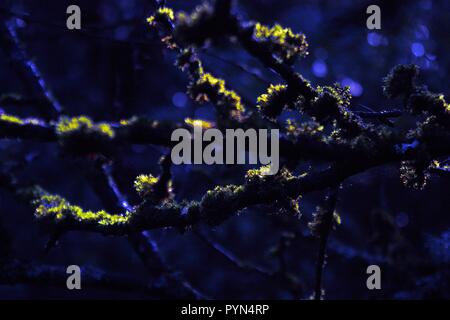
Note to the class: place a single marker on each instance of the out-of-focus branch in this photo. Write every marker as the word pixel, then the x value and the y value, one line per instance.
pixel 321 226
pixel 385 114
pixel 27 69
pixel 227 254
pixel 16 272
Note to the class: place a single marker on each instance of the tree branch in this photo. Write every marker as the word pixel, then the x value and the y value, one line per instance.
pixel 16 272
pixel 322 225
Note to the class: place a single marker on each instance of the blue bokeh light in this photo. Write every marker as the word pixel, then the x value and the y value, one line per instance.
pixel 319 68
pixel 402 219
pixel 179 99
pixel 374 39
pixel 417 49
pixel 356 88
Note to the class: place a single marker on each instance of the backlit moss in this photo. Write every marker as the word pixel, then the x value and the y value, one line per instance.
pixel 208 87
pixel 197 27
pixel 258 173
pixel 162 14
pixel 263 173
pixel 106 129
pixel 144 184
pixel 11 119
pixel 437 165
pixel 286 44
pixel 274 100
pixel 199 123
pixel 309 128
pixel 400 80
pixel 54 206
pixel 431 102
pixel 69 126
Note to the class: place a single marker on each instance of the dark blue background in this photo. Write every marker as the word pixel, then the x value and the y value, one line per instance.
pixel 116 68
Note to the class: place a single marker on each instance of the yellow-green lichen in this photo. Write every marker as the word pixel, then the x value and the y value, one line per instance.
pixel 444 103
pixel 264 173
pixel 310 128
pixel 258 173
pixel 161 14
pixel 285 42
pixel 272 91
pixel 144 184
pixel 208 80
pixel 337 218
pixel 272 102
pixel 199 123
pixel 106 129
pixel 67 126
pixel 11 119
pixel 54 206
pixel 437 165
pixel 209 87
pixel 341 95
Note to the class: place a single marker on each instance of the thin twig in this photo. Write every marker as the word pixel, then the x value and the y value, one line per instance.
pixel 145 245
pixel 326 223
pixel 29 70
pixel 244 265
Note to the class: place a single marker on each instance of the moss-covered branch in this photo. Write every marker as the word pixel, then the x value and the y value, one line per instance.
pixel 222 202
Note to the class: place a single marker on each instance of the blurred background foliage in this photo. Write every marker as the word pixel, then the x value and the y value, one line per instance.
pixel 116 67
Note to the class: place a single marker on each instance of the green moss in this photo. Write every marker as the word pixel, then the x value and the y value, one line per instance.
pixel 199 123
pixel 217 204
pixel 428 101
pixel 257 173
pixel 106 129
pixel 162 14
pixel 208 87
pixel 11 119
pixel 400 80
pixel 273 90
pixel 338 93
pixel 262 174
pixel 283 41
pixel 309 128
pixel 82 124
pixel 58 208
pixel 274 100
pixel 144 184
pixel 69 125
pixel 331 101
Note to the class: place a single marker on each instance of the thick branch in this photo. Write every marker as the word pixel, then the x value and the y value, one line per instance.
pixel 222 202
pixel 146 131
